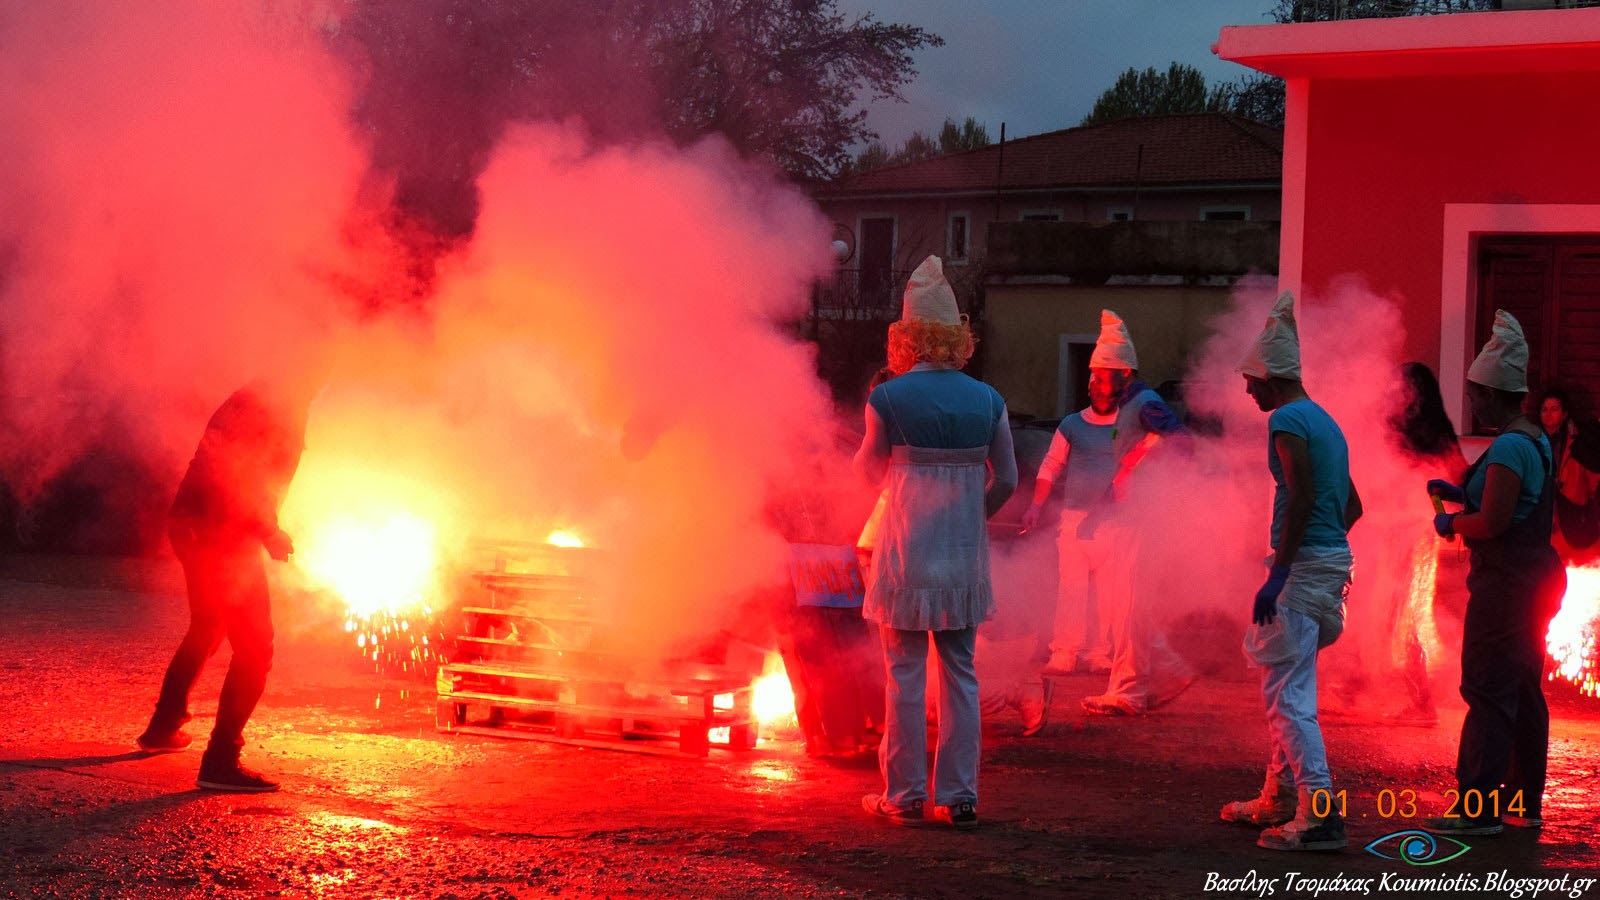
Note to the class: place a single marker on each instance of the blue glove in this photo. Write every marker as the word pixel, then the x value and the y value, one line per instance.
pixel 1266 608
pixel 1444 490
pixel 1445 524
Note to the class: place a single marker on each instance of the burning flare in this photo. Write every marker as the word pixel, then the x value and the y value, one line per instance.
pixel 1571 638
pixel 386 566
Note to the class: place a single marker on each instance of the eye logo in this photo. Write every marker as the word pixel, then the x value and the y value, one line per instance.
pixel 1418 848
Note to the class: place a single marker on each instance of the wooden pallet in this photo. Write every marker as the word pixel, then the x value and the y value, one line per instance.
pixel 572 707
pixel 529 664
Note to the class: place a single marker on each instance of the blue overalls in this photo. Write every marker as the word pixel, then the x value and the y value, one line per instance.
pixel 1514 587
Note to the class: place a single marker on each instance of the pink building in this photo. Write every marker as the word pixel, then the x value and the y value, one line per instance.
pixel 1448 162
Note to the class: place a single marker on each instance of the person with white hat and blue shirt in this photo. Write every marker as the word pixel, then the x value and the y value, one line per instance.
pixel 1081 448
pixel 933 436
pixel 1514 587
pixel 1299 610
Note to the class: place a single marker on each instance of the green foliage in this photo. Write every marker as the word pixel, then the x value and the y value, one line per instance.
pixel 1180 89
pixel 969 135
pixel 953 138
pixel 783 79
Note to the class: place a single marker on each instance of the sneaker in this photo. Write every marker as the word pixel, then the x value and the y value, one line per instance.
pixel 1262 812
pixel 235 779
pixel 1096 665
pixel 1303 834
pixel 1061 664
pixel 910 818
pixel 164 741
pixel 1522 821
pixel 962 815
pixel 1036 709
pixel 1459 825
pixel 1111 705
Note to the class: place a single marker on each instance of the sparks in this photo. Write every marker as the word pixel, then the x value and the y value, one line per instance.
pixel 1571 638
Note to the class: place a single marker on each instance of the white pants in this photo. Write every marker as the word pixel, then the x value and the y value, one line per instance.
pixel 1141 661
pixel 1080 629
pixel 903 754
pixel 1286 651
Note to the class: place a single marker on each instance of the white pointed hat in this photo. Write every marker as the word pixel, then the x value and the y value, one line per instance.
pixel 1276 351
pixel 1114 348
pixel 929 297
pixel 1503 361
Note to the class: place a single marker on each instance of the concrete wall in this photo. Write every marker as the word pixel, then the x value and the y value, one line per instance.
pixel 1024 323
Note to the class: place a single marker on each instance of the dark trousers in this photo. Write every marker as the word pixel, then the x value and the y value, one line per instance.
pixel 1505 737
pixel 836 666
pixel 227 586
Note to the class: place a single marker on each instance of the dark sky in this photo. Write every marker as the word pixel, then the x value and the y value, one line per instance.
pixel 1038 65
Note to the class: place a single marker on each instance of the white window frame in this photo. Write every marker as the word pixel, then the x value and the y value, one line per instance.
pixel 1024 214
pixel 1206 211
pixel 949 235
pixel 1113 211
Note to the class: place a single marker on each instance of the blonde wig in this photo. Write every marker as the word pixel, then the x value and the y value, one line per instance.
pixel 918 340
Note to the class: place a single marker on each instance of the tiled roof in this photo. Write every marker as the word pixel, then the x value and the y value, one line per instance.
pixel 1188 149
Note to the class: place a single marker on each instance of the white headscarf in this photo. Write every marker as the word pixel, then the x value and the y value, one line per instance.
pixel 1114 348
pixel 1503 361
pixel 1276 351
pixel 929 297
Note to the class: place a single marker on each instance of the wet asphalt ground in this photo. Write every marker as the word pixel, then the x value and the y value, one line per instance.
pixel 377 804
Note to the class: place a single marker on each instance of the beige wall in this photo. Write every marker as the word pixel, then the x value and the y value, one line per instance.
pixel 1024 323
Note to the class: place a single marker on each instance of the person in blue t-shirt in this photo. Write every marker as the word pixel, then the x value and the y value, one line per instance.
pixel 1145 673
pixel 1300 609
pixel 1081 448
pixel 1514 587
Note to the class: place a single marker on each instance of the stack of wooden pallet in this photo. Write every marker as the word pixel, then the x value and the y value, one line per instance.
pixel 532 661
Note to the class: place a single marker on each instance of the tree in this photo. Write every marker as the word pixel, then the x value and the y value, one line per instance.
pixel 1257 96
pixel 969 135
pixel 1180 89
pixel 783 79
pixel 953 138
pixel 779 78
pixel 1329 10
pixel 441 80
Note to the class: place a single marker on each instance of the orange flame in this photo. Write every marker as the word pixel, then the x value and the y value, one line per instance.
pixel 1571 638
pixel 383 566
pixel 561 538
pixel 773 701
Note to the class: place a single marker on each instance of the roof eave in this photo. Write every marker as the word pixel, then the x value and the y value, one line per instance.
pixel 1460 43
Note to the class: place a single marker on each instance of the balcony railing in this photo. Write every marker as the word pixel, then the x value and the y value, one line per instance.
pixel 848 295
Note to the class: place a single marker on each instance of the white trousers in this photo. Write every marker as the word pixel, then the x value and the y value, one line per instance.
pixel 1286 651
pixel 1141 660
pixel 1080 628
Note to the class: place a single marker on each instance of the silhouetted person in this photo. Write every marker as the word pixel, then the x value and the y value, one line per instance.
pixel 225 515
